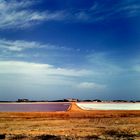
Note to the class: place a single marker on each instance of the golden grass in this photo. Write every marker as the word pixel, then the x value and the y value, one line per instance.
pixel 74 123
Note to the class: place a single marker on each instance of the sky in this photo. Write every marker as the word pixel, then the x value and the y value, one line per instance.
pixel 56 49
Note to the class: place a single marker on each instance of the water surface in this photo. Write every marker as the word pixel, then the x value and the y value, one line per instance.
pixel 33 107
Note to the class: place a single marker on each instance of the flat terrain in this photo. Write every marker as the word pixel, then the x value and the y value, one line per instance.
pixel 73 124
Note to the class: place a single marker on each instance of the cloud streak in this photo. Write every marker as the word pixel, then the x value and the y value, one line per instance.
pixel 18 45
pixel 15 14
pixel 22 45
pixel 100 11
pixel 34 51
pixel 36 68
pixel 100 63
pixel 90 85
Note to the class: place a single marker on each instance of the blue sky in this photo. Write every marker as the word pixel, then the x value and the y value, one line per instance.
pixel 55 49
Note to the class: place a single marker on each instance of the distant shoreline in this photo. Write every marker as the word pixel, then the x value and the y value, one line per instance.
pixel 44 102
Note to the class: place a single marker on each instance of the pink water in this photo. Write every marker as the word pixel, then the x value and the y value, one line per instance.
pixel 33 107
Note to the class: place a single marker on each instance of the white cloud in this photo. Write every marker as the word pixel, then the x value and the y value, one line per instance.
pixel 90 85
pixel 100 64
pixel 18 45
pixel 19 14
pixel 35 68
pixel 21 45
pixel 12 4
pixel 39 76
pixel 15 14
pixel 43 80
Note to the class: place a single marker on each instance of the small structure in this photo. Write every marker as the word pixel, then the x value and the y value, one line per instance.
pixel 23 100
pixel 97 100
pixel 70 100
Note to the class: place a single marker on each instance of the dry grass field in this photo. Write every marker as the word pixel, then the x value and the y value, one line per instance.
pixel 74 124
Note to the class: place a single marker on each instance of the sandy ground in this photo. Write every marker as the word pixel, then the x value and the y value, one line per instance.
pixel 73 124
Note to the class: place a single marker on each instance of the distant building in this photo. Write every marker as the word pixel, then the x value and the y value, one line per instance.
pixel 70 100
pixel 96 100
pixel 23 100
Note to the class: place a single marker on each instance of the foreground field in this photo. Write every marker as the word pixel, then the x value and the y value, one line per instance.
pixel 73 124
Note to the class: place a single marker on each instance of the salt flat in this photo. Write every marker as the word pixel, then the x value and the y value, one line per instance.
pixel 109 106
